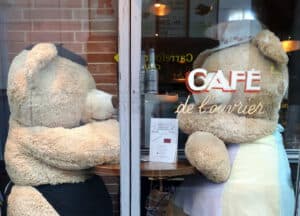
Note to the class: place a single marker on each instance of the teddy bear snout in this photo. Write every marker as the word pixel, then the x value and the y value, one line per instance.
pixel 115 101
pixel 99 106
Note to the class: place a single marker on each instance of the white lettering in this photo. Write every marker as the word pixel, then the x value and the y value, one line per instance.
pixel 218 80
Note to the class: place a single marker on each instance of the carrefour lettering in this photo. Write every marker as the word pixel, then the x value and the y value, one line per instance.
pixel 199 80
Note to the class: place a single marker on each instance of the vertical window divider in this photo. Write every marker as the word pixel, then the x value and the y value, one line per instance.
pixel 124 106
pixel 135 37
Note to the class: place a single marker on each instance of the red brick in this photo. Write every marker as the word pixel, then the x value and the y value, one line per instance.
pixel 22 3
pixel 46 3
pixel 106 11
pixel 107 47
pixel 105 78
pixel 14 14
pixel 82 36
pixel 85 4
pixel 19 26
pixel 47 14
pixel 110 179
pixel 111 37
pixel 94 58
pixel 72 3
pixel 75 47
pixel 105 4
pixel 113 188
pixel 11 57
pixel 110 68
pixel 81 13
pixel 93 4
pixel 50 36
pixel 110 88
pixel 99 25
pixel 58 3
pixel 16 47
pixel 56 26
pixel 15 36
pixel 83 55
pixel 115 197
pixel 87 36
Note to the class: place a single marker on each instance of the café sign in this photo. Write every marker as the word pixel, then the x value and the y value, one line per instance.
pixel 199 80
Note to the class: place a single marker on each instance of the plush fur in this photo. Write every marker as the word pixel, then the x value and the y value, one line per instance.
pixel 27 201
pixel 50 97
pixel 209 132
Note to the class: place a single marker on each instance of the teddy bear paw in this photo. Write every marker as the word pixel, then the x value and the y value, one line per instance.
pixel 209 155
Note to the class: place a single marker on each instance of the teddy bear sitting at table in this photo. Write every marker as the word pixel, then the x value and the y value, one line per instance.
pixel 234 140
pixel 60 126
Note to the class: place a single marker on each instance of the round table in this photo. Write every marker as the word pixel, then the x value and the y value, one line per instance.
pixel 154 170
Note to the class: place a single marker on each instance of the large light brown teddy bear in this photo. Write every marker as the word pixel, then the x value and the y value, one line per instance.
pixel 53 134
pixel 234 139
pixel 205 148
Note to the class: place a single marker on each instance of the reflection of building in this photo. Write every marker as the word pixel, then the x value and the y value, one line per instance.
pixel 175 58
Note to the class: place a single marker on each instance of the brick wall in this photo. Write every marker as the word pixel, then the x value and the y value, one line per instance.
pixel 87 27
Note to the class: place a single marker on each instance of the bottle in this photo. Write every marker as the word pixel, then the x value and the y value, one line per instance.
pixel 142 73
pixel 151 74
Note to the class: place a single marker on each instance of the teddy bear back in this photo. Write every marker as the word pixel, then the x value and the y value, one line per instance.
pixel 247 45
pixel 232 121
pixel 273 82
pixel 46 89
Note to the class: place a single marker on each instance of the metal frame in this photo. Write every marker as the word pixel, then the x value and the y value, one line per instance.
pixel 136 36
pixel 130 107
pixel 124 104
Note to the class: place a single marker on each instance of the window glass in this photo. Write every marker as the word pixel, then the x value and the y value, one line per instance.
pixel 59 104
pixel 224 73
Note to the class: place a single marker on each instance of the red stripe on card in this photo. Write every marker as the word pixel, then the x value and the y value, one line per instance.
pixel 167 140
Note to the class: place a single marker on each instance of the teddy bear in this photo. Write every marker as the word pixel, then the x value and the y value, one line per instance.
pixel 234 137
pixel 60 126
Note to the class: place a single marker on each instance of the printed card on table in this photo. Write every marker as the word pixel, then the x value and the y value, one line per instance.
pixel 163 140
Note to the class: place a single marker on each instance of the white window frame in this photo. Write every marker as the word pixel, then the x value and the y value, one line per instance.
pixel 129 65
pixel 124 104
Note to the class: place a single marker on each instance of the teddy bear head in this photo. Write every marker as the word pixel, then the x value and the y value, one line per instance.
pixel 263 54
pixel 255 81
pixel 50 86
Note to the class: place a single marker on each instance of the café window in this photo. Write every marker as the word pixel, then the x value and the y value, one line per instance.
pixel 228 101
pixel 59 83
pixel 178 32
pixel 208 98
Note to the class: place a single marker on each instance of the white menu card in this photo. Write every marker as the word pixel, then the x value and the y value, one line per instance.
pixel 163 140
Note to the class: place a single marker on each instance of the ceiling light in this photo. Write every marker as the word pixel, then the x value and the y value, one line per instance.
pixel 159 9
pixel 290 45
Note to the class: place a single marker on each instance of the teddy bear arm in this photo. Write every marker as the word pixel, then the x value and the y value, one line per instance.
pixel 209 155
pixel 27 201
pixel 72 149
pixel 229 127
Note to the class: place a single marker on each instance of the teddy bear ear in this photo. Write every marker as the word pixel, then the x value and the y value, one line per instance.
pixel 38 57
pixel 270 46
